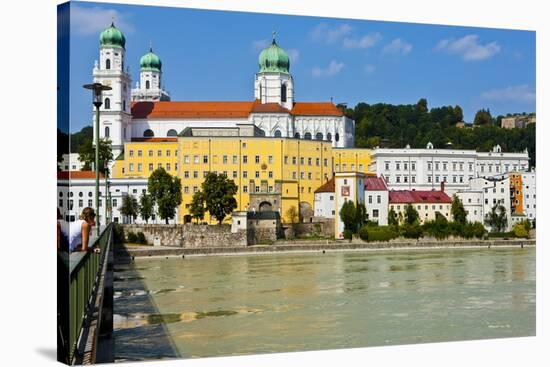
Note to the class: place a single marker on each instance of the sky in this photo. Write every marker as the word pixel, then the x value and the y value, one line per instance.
pixel 213 56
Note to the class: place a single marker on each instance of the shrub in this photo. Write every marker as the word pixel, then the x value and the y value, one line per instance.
pixel 348 234
pixel 364 233
pixel 412 231
pixel 520 231
pixel 479 230
pixel 141 238
pixel 132 237
pixel 510 234
pixel 118 234
pixel 382 233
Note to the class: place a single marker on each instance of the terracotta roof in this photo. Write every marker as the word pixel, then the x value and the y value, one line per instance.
pixel 75 175
pixel 154 140
pixel 422 196
pixel 373 183
pixel 173 109
pixel 326 187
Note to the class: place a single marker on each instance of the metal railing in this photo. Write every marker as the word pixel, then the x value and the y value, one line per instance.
pixel 79 278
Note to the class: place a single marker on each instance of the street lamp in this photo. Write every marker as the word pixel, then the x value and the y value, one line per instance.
pixel 97 90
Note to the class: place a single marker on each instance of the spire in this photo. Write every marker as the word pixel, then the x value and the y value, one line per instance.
pixel 150 46
pixel 273 35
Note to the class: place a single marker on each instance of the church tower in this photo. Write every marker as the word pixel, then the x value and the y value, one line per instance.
pixel 149 87
pixel 115 114
pixel 273 83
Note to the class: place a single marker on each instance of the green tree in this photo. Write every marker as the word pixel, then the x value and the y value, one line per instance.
pixel 218 193
pixel 496 218
pixel 392 218
pixel 457 210
pixel 361 216
pixel 86 154
pixel 129 207
pixel 197 208
pixel 292 214
pixel 411 215
pixel 348 216
pixel 483 118
pixel 146 206
pixel 422 105
pixel 166 193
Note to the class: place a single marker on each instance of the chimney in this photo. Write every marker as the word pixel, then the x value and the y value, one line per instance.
pixel 443 186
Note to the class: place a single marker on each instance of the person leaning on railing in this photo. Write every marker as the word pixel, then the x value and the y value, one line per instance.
pixel 77 233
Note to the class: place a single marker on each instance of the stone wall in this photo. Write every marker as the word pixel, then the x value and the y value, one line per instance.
pixel 189 235
pixel 323 228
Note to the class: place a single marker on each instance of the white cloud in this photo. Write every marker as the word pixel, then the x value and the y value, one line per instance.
pixel 324 32
pixel 332 69
pixel 397 46
pixel 469 48
pixel 366 41
pixel 261 44
pixel 516 93
pixel 293 54
pixel 88 21
pixel 369 69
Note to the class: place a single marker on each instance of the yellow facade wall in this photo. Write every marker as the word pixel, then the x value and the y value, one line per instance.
pixel 352 160
pixel 142 158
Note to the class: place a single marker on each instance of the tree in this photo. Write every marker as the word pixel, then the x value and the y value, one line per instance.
pixel 197 208
pixel 361 216
pixel 218 194
pixel 166 193
pixel 292 214
pixel 86 154
pixel 422 105
pixel 129 207
pixel 348 216
pixel 496 218
pixel 392 218
pixel 146 206
pixel 411 214
pixel 457 210
pixel 483 118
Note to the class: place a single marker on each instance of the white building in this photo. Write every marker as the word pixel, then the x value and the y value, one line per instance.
pixel 76 190
pixel 348 186
pixel 482 195
pixel 324 202
pixel 151 113
pixel 70 162
pixel 529 192
pixel 377 199
pixel 425 169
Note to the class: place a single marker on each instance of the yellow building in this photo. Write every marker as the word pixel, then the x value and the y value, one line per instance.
pixel 352 160
pixel 142 156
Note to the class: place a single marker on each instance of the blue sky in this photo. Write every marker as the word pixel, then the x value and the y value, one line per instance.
pixel 213 55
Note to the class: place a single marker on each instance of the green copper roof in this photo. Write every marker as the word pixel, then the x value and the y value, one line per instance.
pixel 112 37
pixel 150 61
pixel 274 59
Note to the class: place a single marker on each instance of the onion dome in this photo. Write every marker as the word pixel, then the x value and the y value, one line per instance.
pixel 150 61
pixel 112 37
pixel 274 59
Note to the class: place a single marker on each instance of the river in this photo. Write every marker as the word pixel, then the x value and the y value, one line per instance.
pixel 233 305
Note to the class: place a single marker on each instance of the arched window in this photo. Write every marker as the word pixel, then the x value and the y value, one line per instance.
pixel 147 84
pixel 107 103
pixel 107 131
pixel 329 136
pixel 172 132
pixel 108 64
pixel 148 133
pixel 319 136
pixel 277 133
pixel 261 132
pixel 283 93
pixel 260 92
pixel 307 136
pixel 297 135
pixel 337 137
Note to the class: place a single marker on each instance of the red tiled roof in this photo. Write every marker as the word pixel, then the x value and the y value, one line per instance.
pixel 154 140
pixel 75 175
pixel 373 183
pixel 409 197
pixel 326 187
pixel 173 109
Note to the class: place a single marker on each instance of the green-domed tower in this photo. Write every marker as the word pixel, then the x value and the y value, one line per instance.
pixel 112 37
pixel 274 83
pixel 150 62
pixel 149 87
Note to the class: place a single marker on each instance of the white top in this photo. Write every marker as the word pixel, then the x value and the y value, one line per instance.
pixel 73 232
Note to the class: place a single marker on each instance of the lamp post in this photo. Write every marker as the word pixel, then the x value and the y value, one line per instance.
pixel 97 91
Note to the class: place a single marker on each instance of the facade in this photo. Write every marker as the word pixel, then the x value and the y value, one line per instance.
pixel 523 195
pixel 425 169
pixel 517 122
pixel 377 199
pixel 529 194
pixel 426 203
pixel 324 204
pixel 76 190
pixel 352 160
pixel 348 186
pixel 147 111
pixel 70 162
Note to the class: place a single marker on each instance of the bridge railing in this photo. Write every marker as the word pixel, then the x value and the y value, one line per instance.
pixel 81 275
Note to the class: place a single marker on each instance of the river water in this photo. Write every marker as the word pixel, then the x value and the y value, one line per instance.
pixel 233 305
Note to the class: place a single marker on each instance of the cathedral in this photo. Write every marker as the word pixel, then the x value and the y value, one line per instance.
pixel 147 111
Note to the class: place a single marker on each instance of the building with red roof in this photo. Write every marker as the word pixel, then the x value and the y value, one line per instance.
pixel 426 202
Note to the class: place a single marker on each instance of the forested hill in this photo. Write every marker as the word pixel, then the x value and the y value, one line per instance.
pixel 395 126
pixel 77 139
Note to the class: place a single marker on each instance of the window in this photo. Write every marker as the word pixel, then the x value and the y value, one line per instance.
pixel 270 174
pixel 172 132
pixel 90 202
pixel 413 166
pixel 329 136
pixel 398 179
pixel 131 167
pixel 150 166
pixel 115 204
pixel 257 174
pixel 107 103
pixel 186 190
pixel 108 64
pixel 139 167
pixel 319 136
pixel 293 160
pixel 413 178
pixel 186 174
pixel 131 153
pixel 325 162
pixel 150 153
pixel 387 166
pixel 148 133
pixel 375 213
pixel 257 159
pixel 370 199
pixel 270 159
pixel 245 188
pixel 307 136
pixel 309 161
pixel 337 137
pixel 147 84
pixel 245 159
pixel 297 136
pixel 195 174
pixel 234 174
pixel 397 166
pixel 283 93
pixel 245 174
pixel 429 166
pixel 224 159
pixel 168 153
pixel 107 131
pixel 405 166
pixel 277 133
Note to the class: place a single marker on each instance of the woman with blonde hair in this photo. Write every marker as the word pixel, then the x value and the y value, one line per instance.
pixel 79 231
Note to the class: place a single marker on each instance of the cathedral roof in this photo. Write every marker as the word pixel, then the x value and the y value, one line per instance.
pixel 237 109
pixel 150 62
pixel 112 37
pixel 274 59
